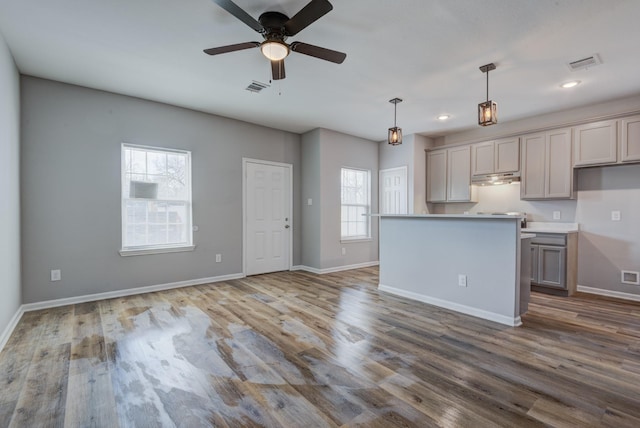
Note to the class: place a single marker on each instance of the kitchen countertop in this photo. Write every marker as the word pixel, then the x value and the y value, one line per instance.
pixel 465 216
pixel 550 227
pixel 527 235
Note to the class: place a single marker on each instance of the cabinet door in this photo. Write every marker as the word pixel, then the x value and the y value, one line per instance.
pixel 437 176
pixel 532 184
pixel 482 158
pixel 559 171
pixel 459 174
pixel 595 143
pixel 507 155
pixel 630 139
pixel 534 263
pixel 552 266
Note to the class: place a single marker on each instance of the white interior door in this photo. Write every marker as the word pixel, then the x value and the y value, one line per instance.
pixel 393 191
pixel 267 243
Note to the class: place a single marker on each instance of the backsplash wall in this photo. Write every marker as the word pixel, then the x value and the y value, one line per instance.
pixel 506 198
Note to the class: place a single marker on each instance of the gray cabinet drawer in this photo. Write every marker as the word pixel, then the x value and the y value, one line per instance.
pixel 550 239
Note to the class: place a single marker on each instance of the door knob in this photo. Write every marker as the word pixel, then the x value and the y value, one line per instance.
pixel 286 226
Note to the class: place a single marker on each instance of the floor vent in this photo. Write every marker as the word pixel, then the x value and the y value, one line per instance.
pixel 584 63
pixel 629 277
pixel 256 86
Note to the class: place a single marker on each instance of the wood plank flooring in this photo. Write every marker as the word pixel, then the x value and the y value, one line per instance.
pixel 295 349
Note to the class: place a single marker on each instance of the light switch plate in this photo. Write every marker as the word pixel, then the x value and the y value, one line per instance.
pixel 462 280
pixel 615 215
pixel 56 275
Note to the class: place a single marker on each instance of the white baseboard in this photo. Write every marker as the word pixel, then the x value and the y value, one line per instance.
pixel 334 269
pixel 128 292
pixel 491 316
pixel 6 334
pixel 609 293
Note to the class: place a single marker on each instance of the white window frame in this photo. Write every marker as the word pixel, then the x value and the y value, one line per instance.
pixel 367 206
pixel 155 248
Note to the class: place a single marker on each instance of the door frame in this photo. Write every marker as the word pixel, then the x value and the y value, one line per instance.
pixel 289 170
pixel 381 186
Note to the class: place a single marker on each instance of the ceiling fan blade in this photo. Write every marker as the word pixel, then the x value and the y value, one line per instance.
pixel 231 48
pixel 318 52
pixel 277 70
pixel 313 11
pixel 243 16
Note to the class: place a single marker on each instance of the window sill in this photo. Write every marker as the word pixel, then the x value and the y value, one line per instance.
pixel 147 251
pixel 355 240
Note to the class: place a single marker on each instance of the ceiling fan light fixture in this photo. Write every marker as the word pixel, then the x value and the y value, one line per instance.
pixel 488 110
pixel 395 134
pixel 274 50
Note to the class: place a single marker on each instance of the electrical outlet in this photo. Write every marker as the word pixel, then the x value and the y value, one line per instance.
pixel 615 215
pixel 344 251
pixel 556 215
pixel 56 275
pixel 218 258
pixel 309 201
pixel 462 280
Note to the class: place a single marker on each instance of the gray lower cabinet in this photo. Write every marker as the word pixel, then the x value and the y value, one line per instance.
pixel 553 263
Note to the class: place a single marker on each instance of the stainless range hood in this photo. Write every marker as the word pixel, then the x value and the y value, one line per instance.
pixel 495 179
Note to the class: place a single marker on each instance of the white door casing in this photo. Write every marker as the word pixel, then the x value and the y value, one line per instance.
pixel 393 191
pixel 267 210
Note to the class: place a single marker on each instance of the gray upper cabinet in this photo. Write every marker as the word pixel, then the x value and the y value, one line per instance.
pixel 630 139
pixel 482 158
pixel 596 143
pixel 437 176
pixel 547 170
pixel 449 175
pixel 459 174
pixel 507 155
pixel 500 156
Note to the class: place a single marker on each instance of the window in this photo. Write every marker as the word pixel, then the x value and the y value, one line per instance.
pixel 356 207
pixel 156 200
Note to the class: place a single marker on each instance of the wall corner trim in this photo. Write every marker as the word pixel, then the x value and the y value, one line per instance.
pixel 126 292
pixel 609 293
pixel 479 313
pixel 333 269
pixel 8 331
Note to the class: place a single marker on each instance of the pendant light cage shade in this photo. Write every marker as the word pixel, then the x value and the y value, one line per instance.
pixel 488 110
pixel 487 113
pixel 395 134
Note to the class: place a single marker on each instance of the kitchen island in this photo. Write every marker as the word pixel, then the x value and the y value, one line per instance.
pixel 466 263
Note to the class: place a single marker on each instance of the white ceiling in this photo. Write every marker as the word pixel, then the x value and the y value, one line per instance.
pixel 424 51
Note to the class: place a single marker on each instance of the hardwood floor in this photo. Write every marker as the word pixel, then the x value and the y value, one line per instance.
pixel 296 349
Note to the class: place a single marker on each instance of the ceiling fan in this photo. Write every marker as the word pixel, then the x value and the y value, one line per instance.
pixel 275 27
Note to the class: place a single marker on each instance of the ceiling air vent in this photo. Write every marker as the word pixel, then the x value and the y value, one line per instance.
pixel 256 86
pixel 585 63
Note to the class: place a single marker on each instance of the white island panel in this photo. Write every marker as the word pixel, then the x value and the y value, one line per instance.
pixel 421 257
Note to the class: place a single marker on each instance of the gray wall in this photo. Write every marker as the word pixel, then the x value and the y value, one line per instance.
pixel 604 246
pixel 71 140
pixel 9 187
pixel 330 151
pixel 311 181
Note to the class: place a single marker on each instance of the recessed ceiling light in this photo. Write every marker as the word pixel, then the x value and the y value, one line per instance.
pixel 443 117
pixel 570 84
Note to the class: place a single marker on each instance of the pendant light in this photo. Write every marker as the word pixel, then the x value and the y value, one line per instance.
pixel 395 133
pixel 488 110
